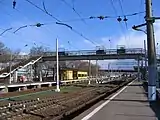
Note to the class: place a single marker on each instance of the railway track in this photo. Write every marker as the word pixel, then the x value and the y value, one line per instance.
pixel 55 106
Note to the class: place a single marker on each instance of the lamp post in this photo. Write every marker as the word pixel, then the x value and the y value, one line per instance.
pixel 89 69
pixel 96 71
pixel 57 86
pixel 109 45
pixel 157 48
pixel 10 68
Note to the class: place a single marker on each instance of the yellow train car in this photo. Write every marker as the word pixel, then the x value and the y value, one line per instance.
pixel 82 74
pixel 70 74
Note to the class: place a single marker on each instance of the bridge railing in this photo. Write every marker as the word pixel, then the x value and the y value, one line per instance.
pixel 94 52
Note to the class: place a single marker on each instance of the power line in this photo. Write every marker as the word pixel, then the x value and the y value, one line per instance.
pixel 80 34
pixel 99 17
pixel 119 19
pixel 43 10
pixel 140 6
pixel 102 17
pixel 11 28
pixel 25 41
pixel 125 19
pixel 60 23
pixel 73 1
pixel 72 45
pixel 40 24
pixel 74 10
pixel 121 6
pixel 5 31
pixel 114 7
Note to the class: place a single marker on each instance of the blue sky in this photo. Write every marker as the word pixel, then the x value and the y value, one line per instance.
pixel 98 31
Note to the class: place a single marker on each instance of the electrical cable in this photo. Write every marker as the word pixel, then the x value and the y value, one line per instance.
pixel 7 30
pixel 140 6
pixel 25 41
pixel 74 10
pixel 59 20
pixel 43 10
pixel 125 19
pixel 101 17
pixel 72 45
pixel 119 19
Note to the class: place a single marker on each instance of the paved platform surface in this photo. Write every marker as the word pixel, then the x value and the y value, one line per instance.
pixel 130 103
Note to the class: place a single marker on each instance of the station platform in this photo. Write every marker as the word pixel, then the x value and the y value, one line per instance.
pixel 129 103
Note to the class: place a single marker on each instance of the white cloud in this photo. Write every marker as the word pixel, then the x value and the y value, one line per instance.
pixel 61 46
pixel 133 39
pixel 89 43
pixel 23 53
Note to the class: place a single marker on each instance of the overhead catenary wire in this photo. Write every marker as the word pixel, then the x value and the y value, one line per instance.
pixel 61 23
pixel 97 17
pixel 73 2
pixel 125 19
pixel 114 7
pixel 39 24
pixel 11 28
pixel 5 30
pixel 119 17
pixel 22 40
pixel 43 10
pixel 57 19
pixel 103 17
pixel 91 17
pixel 69 43
pixel 73 8
pixel 140 6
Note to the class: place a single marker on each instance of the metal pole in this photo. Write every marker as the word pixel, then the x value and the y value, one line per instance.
pixel 109 70
pixel 157 50
pixel 89 72
pixel 109 46
pixel 142 73
pixel 151 53
pixel 31 75
pixel 10 69
pixel 96 71
pixel 138 70
pixel 145 52
pixel 57 89
pixel 40 75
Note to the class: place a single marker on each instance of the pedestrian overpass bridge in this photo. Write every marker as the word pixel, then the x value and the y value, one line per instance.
pixel 132 53
pixel 118 70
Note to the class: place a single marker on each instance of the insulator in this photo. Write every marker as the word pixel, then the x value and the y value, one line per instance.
pixel 125 19
pixel 101 17
pixel 38 24
pixel 91 17
pixel 119 19
pixel 14 4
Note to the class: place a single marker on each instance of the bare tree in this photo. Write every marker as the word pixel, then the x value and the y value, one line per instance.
pixel 38 50
pixel 4 53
